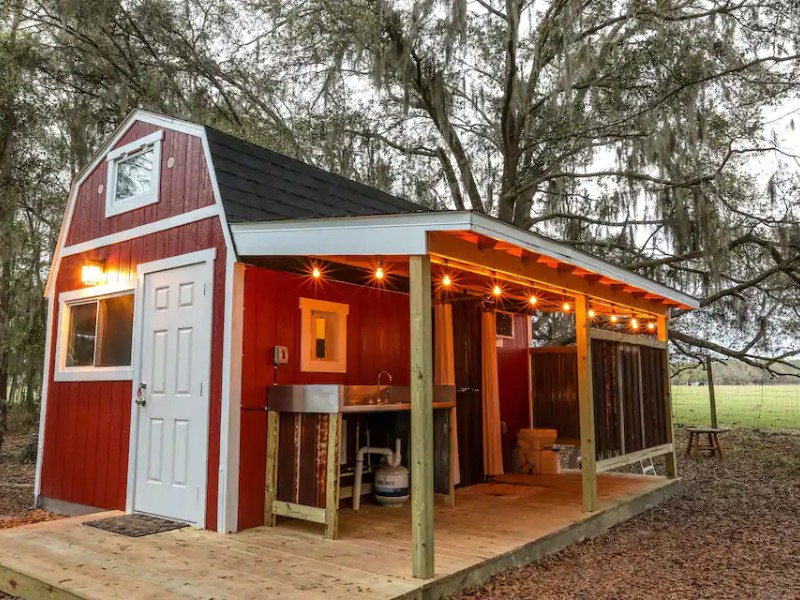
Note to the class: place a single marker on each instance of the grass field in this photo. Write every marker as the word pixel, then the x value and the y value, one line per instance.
pixel 755 406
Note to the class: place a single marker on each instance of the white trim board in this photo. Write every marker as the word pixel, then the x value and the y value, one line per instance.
pixel 37 484
pixel 406 234
pixel 192 216
pixel 230 416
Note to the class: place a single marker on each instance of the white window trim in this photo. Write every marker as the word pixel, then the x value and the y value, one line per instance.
pixel 309 364
pixel 117 207
pixel 67 299
pixel 513 326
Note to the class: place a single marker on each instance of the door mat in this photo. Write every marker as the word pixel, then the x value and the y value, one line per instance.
pixel 136 525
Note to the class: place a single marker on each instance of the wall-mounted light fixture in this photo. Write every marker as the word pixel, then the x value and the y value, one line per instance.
pixel 93 273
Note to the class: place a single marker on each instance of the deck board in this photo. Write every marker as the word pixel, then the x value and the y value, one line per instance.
pixel 493 525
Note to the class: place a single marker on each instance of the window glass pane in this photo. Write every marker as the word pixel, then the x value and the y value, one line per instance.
pixel 135 174
pixel 80 345
pixel 115 332
pixel 319 338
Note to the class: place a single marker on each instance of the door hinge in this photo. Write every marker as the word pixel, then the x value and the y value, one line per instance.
pixel 201 388
pixel 205 288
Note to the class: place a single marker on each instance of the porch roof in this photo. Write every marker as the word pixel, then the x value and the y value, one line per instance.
pixel 474 237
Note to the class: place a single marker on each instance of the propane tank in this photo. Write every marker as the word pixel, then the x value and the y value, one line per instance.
pixel 391 480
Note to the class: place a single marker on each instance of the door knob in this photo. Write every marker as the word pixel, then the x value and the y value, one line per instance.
pixel 140 397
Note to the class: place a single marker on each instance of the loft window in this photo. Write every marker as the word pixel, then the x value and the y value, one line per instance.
pixel 95 334
pixel 504 325
pixel 134 174
pixel 323 343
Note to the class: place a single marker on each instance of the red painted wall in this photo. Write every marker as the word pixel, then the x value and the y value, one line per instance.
pixel 88 423
pixel 512 370
pixel 184 187
pixel 377 339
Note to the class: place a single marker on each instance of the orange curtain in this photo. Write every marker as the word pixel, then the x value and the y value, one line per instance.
pixel 492 441
pixel 444 367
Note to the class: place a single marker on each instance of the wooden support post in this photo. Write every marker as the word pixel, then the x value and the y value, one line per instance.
pixel 332 476
pixel 671 458
pixel 273 425
pixel 712 399
pixel 419 268
pixel 586 404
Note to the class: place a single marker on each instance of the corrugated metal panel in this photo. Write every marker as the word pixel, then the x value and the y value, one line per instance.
pixel 629 401
pixel 554 390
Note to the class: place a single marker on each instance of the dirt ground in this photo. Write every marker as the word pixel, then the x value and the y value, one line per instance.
pixel 734 533
pixel 16 485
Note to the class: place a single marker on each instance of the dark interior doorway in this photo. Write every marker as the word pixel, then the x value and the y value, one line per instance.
pixel 467 350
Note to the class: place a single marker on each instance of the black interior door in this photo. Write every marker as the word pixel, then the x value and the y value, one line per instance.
pixel 467 350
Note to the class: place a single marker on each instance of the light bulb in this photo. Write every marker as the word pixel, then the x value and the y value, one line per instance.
pixel 446 281
pixel 316 273
pixel 591 313
pixel 379 273
pixel 614 318
pixel 634 324
pixel 497 290
pixel 567 307
pixel 533 300
pixel 651 326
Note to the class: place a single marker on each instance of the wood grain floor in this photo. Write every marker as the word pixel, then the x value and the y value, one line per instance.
pixel 371 560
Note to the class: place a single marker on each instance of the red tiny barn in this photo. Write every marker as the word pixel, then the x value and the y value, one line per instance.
pixel 196 274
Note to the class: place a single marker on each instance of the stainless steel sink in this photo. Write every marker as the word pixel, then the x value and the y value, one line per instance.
pixel 330 398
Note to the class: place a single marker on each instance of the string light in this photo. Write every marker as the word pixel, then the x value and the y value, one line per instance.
pixel 634 323
pixel 591 313
pixel 567 307
pixel 614 317
pixel 446 281
pixel 316 273
pixel 497 290
pixel 379 273
pixel 533 300
pixel 651 326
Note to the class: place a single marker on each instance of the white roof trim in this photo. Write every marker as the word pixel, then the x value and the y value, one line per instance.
pixel 406 234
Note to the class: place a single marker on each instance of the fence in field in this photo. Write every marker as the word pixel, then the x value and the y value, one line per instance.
pixel 763 406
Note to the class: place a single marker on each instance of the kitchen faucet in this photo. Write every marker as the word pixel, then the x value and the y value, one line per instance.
pixel 389 389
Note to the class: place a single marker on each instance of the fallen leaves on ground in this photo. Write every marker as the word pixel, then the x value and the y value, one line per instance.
pixel 16 486
pixel 733 534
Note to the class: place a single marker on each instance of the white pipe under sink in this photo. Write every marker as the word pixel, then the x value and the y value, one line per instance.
pixel 393 458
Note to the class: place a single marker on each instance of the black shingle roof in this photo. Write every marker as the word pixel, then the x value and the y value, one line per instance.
pixel 257 184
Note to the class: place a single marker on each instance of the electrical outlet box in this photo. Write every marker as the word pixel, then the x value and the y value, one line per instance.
pixel 281 355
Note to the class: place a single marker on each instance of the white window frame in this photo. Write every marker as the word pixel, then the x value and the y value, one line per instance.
pixel 115 157
pixel 513 325
pixel 307 361
pixel 88 373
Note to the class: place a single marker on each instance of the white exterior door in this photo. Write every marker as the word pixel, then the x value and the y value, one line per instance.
pixel 172 393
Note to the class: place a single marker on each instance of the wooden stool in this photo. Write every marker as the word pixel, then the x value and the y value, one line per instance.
pixel 713 440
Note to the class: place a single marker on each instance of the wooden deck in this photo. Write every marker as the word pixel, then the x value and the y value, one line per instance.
pixel 493 526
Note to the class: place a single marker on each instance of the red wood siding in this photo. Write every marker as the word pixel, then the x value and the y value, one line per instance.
pixel 377 339
pixel 88 423
pixel 184 187
pixel 512 370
